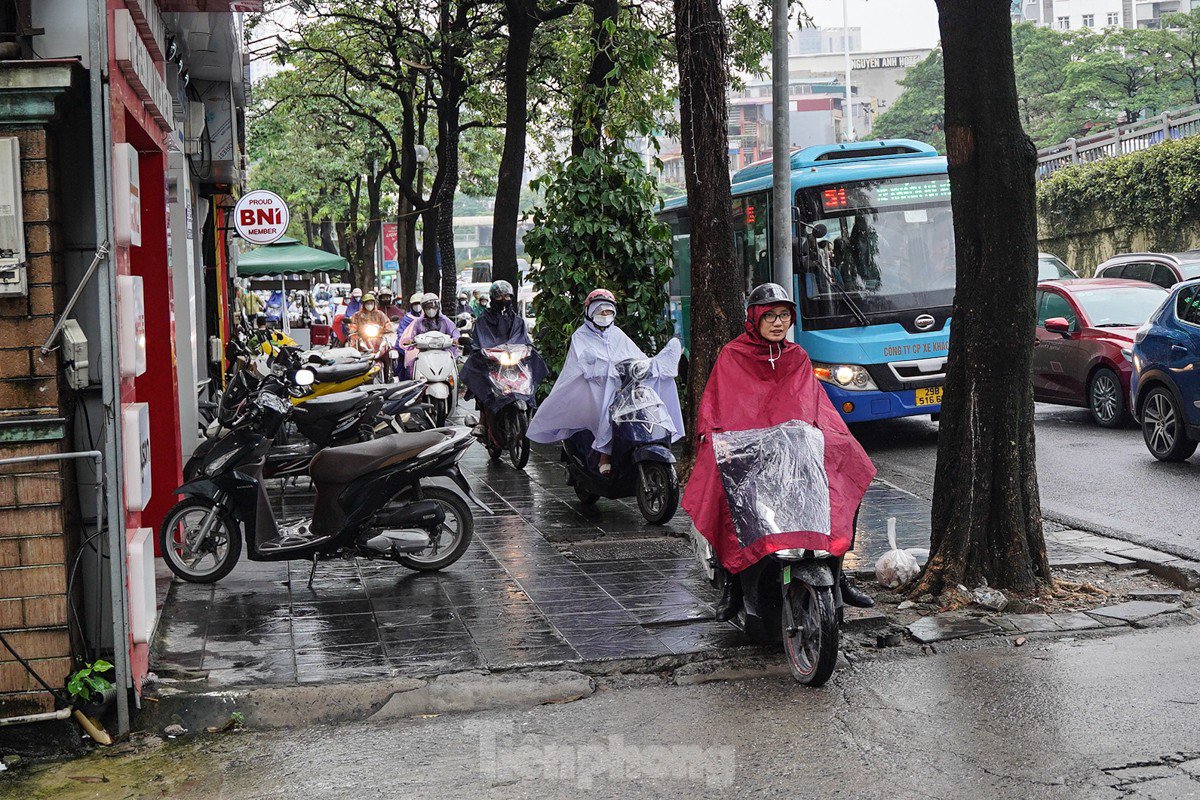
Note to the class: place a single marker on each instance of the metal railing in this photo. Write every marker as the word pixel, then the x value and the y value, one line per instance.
pixel 1120 140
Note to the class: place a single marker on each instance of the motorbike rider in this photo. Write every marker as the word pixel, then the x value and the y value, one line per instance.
pixel 498 324
pixel 431 319
pixel 478 306
pixel 761 380
pixel 414 310
pixel 464 305
pixel 387 305
pixel 583 394
pixel 369 315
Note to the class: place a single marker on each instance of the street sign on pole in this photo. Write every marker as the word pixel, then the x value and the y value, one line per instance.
pixel 261 217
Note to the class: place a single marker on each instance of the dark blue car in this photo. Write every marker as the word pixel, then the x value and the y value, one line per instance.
pixel 1166 375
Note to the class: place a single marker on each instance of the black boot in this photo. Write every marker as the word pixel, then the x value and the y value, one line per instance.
pixel 730 602
pixel 854 596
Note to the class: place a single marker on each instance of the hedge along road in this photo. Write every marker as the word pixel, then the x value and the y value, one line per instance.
pixel 1092 478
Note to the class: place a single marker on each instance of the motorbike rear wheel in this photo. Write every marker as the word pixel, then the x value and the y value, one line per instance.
pixel 586 498
pixel 454 537
pixel 657 492
pixel 810 632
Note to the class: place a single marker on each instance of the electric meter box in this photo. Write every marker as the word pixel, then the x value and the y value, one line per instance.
pixel 75 354
pixel 131 325
pixel 14 281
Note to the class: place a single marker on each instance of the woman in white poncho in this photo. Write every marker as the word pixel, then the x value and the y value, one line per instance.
pixel 583 394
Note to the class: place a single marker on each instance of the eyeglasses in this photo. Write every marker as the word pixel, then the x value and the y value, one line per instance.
pixel 779 316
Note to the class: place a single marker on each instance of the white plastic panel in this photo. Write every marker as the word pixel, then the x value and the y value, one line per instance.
pixel 143 605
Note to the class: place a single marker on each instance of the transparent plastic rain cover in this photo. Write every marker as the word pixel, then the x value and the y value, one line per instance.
pixel 635 401
pixel 509 369
pixel 774 479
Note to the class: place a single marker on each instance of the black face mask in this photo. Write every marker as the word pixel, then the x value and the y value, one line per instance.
pixel 501 304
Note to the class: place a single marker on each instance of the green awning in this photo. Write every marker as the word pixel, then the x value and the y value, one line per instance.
pixel 286 256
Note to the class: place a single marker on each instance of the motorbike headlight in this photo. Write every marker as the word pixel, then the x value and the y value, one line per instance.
pixel 509 359
pixel 370 330
pixel 216 465
pixel 851 377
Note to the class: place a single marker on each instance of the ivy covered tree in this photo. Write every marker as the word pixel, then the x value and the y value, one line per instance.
pixel 596 227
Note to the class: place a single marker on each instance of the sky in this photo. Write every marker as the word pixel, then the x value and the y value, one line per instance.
pixel 886 24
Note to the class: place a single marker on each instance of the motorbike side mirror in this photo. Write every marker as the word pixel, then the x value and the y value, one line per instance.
pixel 395 319
pixel 819 231
pixel 305 377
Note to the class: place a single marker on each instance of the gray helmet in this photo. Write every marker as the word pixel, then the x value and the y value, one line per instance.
pixel 769 294
pixel 500 288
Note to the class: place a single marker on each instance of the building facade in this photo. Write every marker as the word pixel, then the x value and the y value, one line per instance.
pixel 1097 14
pixel 127 125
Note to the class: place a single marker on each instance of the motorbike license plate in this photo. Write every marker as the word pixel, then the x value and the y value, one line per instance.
pixel 931 396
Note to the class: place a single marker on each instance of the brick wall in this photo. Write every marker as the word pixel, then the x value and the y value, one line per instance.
pixel 33 543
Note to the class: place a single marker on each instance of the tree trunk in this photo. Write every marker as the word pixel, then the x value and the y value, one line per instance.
pixel 326 234
pixel 406 247
pixel 718 312
pixel 521 28
pixel 587 123
pixel 987 519
pixel 431 276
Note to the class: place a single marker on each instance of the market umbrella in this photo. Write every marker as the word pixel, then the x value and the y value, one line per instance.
pixel 284 257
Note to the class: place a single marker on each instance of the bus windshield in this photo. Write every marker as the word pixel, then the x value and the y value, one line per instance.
pixel 889 245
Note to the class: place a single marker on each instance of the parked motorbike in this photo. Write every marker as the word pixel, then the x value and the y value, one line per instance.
pixel 436 367
pixel 512 380
pixel 372 500
pixel 642 463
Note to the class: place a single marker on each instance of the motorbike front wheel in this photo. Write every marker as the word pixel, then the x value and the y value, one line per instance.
pixel 810 632
pixel 441 410
pixel 199 542
pixel 518 443
pixel 657 492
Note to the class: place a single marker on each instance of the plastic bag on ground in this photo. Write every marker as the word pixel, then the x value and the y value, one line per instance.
pixel 896 567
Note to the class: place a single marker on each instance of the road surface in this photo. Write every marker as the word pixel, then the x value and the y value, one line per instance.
pixel 1103 480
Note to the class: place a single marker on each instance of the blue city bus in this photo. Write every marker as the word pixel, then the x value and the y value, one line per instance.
pixel 873 270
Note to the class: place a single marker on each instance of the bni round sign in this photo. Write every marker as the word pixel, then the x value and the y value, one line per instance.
pixel 261 217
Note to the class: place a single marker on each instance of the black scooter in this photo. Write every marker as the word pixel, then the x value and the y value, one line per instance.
pixel 370 501
pixel 512 384
pixel 642 462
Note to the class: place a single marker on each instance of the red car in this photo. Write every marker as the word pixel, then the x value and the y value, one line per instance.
pixel 1083 354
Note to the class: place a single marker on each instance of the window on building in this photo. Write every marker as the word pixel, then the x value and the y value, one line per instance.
pixel 1089 20
pixel 1064 23
pixel 1113 19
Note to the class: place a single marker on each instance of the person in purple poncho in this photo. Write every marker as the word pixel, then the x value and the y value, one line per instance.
pixel 431 319
pixel 583 394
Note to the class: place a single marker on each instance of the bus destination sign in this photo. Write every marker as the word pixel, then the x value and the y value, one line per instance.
pixel 879 194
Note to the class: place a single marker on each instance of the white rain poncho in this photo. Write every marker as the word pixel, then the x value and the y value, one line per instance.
pixel 583 394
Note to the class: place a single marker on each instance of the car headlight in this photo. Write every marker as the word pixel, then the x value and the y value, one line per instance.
pixel 851 377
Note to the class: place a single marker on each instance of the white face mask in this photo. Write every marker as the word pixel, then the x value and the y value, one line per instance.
pixel 431 312
pixel 369 306
pixel 604 319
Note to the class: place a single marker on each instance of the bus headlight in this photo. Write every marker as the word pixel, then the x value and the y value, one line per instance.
pixel 851 377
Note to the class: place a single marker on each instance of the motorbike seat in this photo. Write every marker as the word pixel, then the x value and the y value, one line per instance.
pixel 389 390
pixel 336 373
pixel 340 465
pixel 333 404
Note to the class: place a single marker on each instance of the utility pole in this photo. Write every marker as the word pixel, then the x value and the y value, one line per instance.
pixel 781 149
pixel 848 133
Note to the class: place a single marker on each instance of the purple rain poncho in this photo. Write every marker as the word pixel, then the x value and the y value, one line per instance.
pixel 420 325
pixel 583 394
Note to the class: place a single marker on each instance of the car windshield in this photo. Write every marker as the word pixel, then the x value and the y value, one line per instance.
pixel 1119 306
pixel 1050 268
pixel 889 246
pixel 1190 269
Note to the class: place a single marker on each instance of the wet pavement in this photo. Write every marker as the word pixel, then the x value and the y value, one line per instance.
pixel 1090 718
pixel 545 582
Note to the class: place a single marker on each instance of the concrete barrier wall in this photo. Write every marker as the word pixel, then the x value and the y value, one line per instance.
pixel 1086 246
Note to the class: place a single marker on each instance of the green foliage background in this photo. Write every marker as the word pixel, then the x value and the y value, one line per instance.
pixel 596 228
pixel 1158 189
